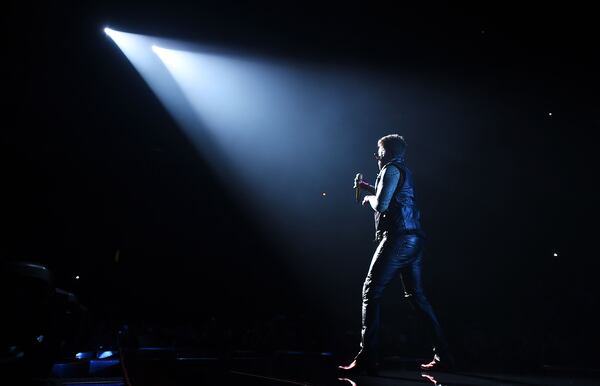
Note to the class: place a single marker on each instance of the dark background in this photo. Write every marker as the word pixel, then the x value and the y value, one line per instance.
pixel 93 164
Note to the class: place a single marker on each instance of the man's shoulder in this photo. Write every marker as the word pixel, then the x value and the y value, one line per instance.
pixel 391 168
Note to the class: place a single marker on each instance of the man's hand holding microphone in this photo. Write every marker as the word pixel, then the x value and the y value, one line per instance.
pixel 359 184
pixel 357 181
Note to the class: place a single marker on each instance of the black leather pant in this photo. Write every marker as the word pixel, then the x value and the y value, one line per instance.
pixel 396 256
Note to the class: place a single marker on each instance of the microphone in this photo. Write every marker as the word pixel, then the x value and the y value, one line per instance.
pixel 357 180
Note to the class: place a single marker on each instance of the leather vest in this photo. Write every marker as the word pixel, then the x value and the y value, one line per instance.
pixel 402 215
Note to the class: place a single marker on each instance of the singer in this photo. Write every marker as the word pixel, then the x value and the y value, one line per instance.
pixel 399 253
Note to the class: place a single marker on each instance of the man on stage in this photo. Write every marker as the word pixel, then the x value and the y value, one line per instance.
pixel 399 253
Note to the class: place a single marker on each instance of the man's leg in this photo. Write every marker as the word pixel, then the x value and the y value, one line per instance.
pixel 413 281
pixel 391 256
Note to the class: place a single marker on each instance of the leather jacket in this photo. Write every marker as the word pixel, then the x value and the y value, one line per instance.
pixel 397 212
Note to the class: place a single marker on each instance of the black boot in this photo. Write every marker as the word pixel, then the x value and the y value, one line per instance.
pixel 440 362
pixel 360 366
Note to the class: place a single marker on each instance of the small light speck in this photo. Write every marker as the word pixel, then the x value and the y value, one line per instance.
pixel 549 114
pixel 324 194
pixel 77 277
pixel 555 254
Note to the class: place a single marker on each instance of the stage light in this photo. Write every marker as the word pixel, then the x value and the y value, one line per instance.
pixel 169 57
pixel 84 355
pixel 165 52
pixel 105 354
pixel 250 117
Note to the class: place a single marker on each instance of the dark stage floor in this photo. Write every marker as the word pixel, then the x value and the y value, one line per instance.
pixel 158 367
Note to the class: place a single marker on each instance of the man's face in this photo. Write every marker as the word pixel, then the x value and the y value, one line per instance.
pixel 380 156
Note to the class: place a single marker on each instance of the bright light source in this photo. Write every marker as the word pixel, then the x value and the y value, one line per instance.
pixel 108 31
pixel 555 254
pixel 77 277
pixel 550 114
pixel 105 354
